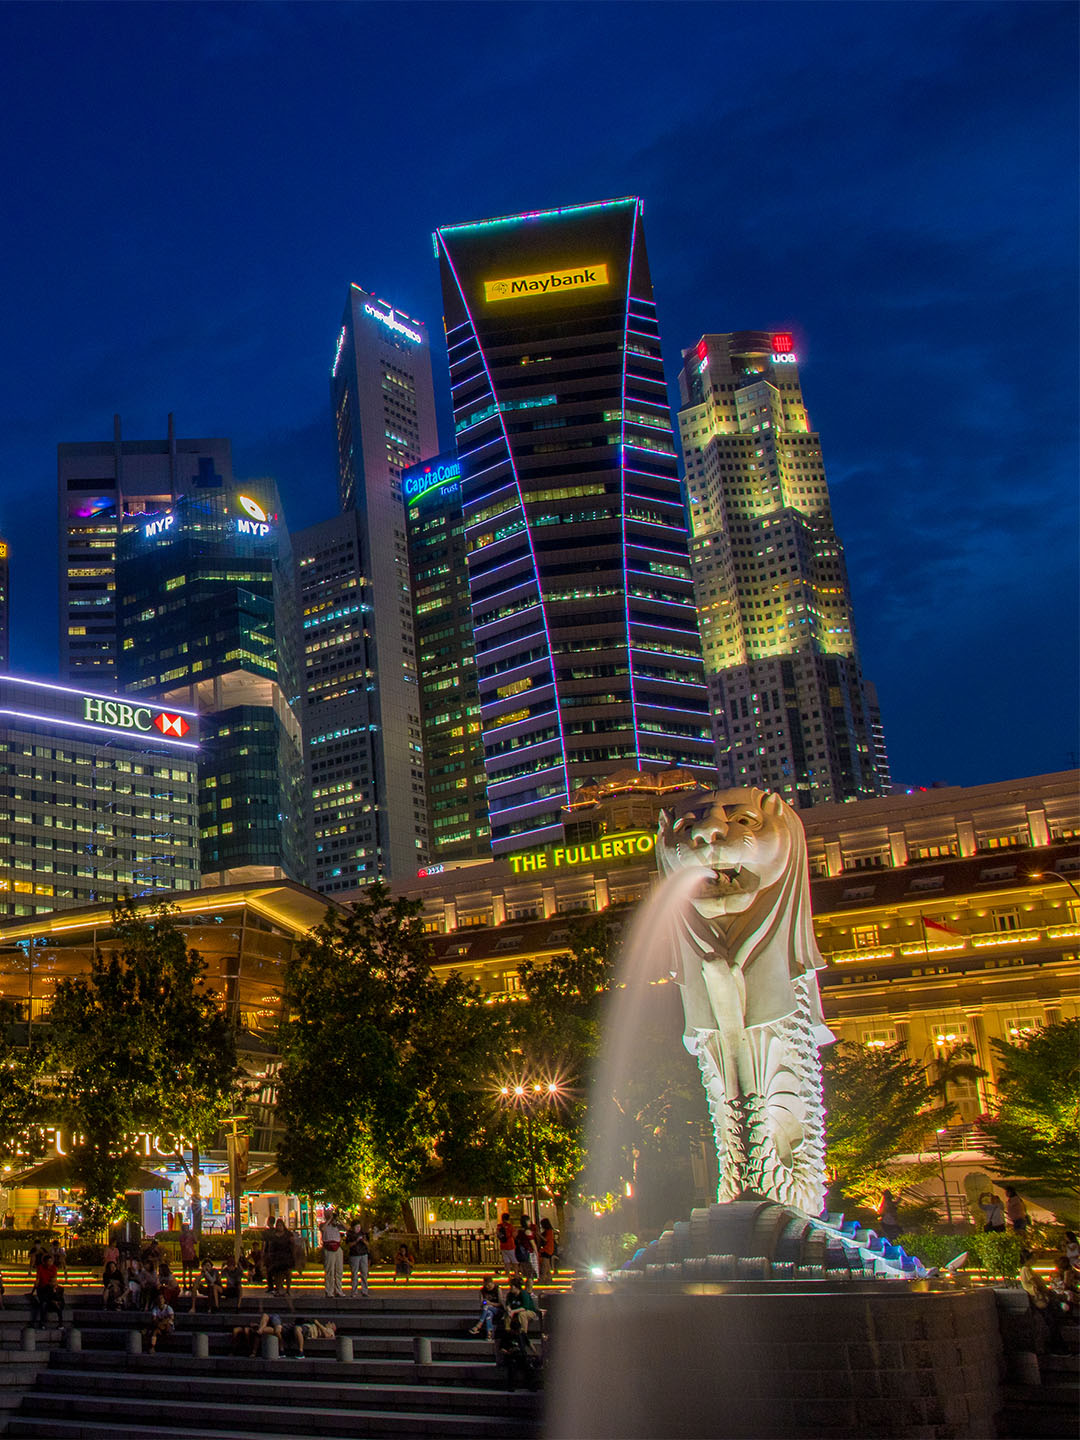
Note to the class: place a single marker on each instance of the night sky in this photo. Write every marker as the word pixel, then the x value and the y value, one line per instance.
pixel 189 189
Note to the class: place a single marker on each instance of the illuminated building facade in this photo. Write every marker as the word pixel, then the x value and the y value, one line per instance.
pixel 791 709
pixel 5 605
pixel 455 781
pixel 208 621
pixel 384 416
pixel 934 930
pixel 246 934
pixel 100 798
pixel 104 486
pixel 587 651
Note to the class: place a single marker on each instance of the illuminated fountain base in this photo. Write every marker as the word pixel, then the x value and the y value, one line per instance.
pixel 750 1320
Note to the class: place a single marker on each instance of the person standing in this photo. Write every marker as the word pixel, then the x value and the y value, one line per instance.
pixel 993 1212
pixel 1042 1301
pixel 889 1217
pixel 359 1256
pixel 330 1230
pixel 1016 1210
pixel 547 1250
pixel 504 1235
pixel 525 1251
pixel 188 1257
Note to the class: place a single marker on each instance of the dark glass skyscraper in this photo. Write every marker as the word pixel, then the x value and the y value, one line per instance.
pixel 208 621
pixel 587 650
pixel 456 786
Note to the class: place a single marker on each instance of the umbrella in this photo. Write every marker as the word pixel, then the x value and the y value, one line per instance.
pixel 57 1174
pixel 270 1180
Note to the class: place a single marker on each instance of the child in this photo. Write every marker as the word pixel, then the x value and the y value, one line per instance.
pixel 403 1263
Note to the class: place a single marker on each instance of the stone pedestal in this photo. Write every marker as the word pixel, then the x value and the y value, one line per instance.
pixel 754 1363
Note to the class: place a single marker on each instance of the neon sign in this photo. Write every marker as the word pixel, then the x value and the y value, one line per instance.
pixel 392 323
pixel 783 344
pixel 784 359
pixel 432 478
pixel 159 526
pixel 255 511
pixel 122 716
pixel 625 846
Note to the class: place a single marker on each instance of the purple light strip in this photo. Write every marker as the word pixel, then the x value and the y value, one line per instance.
pixel 544 770
pixel 521 502
pixel 139 735
pixel 650 379
pixel 622 492
pixel 93 694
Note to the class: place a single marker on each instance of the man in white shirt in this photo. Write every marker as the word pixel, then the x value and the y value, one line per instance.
pixel 333 1257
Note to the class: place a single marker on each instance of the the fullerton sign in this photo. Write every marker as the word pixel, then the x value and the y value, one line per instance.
pixel 626 846
pixel 547 282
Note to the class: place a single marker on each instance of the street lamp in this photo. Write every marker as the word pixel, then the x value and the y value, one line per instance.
pixel 528 1096
pixel 944 1182
pixel 1054 875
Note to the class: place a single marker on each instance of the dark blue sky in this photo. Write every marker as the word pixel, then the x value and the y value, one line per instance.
pixel 189 189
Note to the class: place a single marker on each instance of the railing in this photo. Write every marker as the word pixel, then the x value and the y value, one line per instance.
pixel 990 940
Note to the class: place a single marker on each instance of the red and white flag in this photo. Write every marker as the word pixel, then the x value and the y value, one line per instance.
pixel 938 927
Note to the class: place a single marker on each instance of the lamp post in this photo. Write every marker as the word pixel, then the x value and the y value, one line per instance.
pixel 944 1183
pixel 1054 875
pixel 528 1096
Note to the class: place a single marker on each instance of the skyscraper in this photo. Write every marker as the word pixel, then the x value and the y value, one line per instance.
pixel 104 486
pixel 791 709
pixel 353 580
pixel 587 650
pixel 456 786
pixel 208 621
pixel 5 605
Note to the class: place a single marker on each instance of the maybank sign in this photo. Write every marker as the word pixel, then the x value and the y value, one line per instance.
pixel 626 846
pixel 548 282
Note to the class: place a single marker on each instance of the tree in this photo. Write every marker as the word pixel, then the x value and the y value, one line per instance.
pixel 879 1104
pixel 22 1107
pixel 1034 1132
pixel 383 1068
pixel 141 1043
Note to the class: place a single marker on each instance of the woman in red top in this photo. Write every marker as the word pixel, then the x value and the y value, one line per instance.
pixel 547 1251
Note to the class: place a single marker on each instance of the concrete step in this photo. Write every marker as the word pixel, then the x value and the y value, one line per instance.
pixel 430 1323
pixel 113 1414
pixel 111 1342
pixel 291 1384
pixel 52 1427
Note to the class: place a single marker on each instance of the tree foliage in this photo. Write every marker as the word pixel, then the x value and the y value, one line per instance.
pixel 879 1104
pixel 22 1107
pixel 140 1043
pixel 1034 1132
pixel 383 1070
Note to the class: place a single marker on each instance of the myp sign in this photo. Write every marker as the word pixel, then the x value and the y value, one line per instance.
pixel 441 475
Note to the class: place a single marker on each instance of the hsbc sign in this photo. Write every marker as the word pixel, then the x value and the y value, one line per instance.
pixel 119 715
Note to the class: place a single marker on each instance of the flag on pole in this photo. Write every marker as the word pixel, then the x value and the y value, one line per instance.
pixel 938 927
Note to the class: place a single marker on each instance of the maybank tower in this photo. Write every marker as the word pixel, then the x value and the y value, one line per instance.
pixel 588 660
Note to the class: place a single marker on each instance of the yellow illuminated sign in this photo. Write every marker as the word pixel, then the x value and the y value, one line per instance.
pixel 3 549
pixel 547 282
pixel 625 846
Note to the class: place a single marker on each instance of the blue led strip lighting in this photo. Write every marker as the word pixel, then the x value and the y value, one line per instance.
pixel 521 502
pixel 532 215
pixel 622 493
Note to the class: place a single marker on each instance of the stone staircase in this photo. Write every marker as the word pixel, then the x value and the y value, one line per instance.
pixel 410 1369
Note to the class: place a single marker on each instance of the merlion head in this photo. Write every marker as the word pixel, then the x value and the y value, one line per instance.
pixel 744 836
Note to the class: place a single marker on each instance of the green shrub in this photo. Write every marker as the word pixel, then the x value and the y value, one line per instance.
pixel 85 1252
pixel 997 1251
pixel 933 1249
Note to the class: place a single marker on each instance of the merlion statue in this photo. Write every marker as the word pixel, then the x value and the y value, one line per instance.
pixel 746 961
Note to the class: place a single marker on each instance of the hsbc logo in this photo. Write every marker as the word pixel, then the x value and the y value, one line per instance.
pixel 172 725
pixel 119 715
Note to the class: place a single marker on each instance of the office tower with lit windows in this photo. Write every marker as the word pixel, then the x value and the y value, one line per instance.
pixel 791 709
pixel 455 782
pixel 384 418
pixel 5 605
pixel 587 651
pixel 208 621
pixel 104 486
